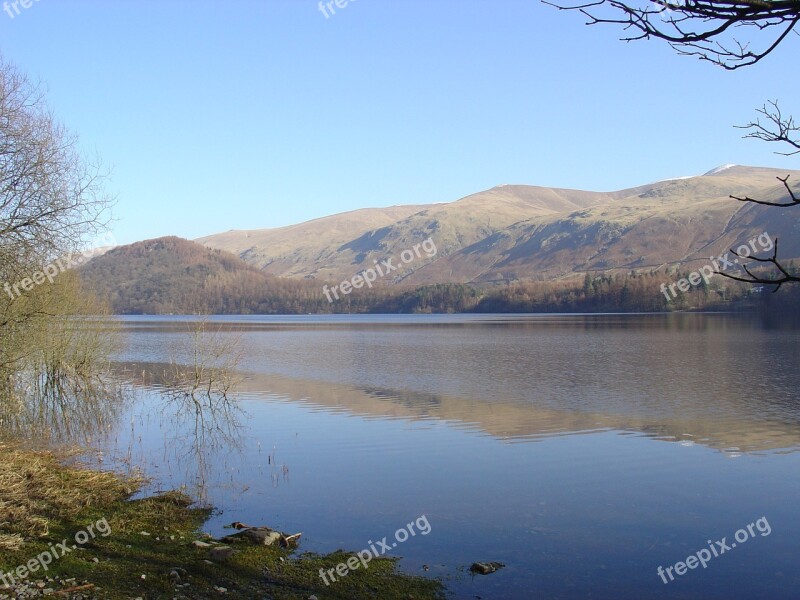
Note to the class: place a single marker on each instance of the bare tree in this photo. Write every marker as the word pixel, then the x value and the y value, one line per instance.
pixel 201 389
pixel 51 197
pixel 702 28
pixel 51 201
pixel 202 381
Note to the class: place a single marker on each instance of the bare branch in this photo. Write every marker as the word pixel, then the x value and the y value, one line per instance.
pixel 701 28
pixel 794 200
pixel 777 129
pixel 782 276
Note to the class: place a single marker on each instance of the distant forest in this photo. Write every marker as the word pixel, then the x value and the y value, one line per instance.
pixel 175 276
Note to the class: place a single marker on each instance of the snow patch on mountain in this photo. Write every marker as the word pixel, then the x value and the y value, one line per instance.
pixel 720 169
pixel 675 178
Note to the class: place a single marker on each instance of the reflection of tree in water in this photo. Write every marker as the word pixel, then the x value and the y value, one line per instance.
pixel 57 390
pixel 202 430
pixel 59 408
pixel 197 405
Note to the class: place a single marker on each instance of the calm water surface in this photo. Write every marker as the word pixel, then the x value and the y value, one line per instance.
pixel 582 451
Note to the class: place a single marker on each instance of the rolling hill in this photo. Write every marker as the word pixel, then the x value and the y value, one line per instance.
pixel 518 232
pixel 172 275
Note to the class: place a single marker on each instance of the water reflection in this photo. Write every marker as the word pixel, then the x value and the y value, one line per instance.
pixel 194 414
pixel 518 422
pixel 63 410
pixel 535 441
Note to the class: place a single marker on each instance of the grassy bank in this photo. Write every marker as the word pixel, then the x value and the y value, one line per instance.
pixel 144 548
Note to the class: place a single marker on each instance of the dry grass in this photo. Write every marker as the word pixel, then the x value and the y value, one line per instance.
pixel 36 489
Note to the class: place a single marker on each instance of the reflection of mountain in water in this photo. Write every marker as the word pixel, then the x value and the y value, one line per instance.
pixel 719 424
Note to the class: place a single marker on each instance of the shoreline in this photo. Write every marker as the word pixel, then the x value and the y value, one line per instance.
pixel 68 531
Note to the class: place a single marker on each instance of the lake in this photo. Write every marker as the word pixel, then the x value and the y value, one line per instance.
pixel 583 452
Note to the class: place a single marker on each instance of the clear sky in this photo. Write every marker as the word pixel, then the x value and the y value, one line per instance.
pixel 251 114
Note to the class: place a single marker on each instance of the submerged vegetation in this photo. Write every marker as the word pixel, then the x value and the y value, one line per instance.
pixel 56 386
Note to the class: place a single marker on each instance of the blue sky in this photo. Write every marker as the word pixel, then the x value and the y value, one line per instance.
pixel 261 113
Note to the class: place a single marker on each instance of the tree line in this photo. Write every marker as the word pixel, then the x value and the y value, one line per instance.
pixel 176 276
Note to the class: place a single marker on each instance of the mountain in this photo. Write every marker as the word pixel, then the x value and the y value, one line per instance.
pixel 276 251
pixel 173 275
pixel 519 232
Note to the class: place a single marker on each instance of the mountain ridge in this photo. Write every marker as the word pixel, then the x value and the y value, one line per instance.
pixel 514 232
